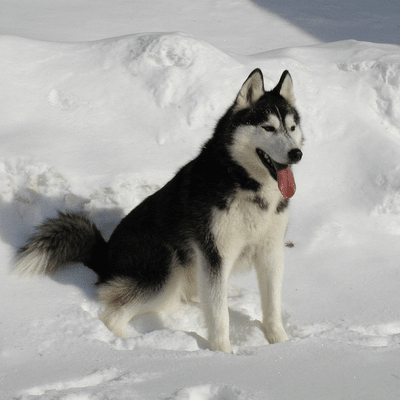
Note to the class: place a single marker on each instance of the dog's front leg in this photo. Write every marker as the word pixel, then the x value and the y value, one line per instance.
pixel 214 297
pixel 269 267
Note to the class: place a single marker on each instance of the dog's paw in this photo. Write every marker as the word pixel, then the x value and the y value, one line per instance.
pixel 220 346
pixel 275 334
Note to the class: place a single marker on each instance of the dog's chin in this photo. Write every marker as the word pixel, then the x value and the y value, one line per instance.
pixel 272 166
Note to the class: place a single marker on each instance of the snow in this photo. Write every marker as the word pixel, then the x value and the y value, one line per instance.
pixel 101 102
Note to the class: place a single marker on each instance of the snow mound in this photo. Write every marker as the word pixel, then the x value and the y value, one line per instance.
pixel 92 101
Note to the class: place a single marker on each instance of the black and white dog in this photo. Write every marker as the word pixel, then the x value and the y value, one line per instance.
pixel 224 210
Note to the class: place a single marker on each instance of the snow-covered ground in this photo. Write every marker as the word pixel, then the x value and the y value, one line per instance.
pixel 99 125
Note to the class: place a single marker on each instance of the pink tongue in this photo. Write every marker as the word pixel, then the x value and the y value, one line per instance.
pixel 286 183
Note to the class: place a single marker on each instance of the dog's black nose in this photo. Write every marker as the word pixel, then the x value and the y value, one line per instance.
pixel 295 155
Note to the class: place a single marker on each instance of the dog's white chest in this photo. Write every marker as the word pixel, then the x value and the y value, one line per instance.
pixel 249 220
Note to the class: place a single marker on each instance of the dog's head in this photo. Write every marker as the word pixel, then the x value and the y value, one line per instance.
pixel 266 126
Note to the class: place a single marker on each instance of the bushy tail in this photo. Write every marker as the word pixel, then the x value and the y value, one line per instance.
pixel 68 238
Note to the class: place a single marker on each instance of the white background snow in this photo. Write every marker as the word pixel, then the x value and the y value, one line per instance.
pixel 96 113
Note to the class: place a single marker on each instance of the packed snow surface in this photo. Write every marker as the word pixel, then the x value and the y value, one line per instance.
pixel 97 126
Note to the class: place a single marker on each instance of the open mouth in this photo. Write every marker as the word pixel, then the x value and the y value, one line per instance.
pixel 280 172
pixel 272 166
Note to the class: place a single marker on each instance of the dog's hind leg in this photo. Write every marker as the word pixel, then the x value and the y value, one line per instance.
pixel 120 304
pixel 117 319
pixel 123 300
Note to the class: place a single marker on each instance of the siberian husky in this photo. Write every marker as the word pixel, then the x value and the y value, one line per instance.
pixel 225 210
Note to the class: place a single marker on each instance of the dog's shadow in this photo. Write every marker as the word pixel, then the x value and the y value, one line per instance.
pixel 19 218
pixel 151 322
pixel 244 329
pixel 242 326
pixel 79 276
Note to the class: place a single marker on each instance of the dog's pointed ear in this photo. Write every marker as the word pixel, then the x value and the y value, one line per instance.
pixel 285 88
pixel 251 91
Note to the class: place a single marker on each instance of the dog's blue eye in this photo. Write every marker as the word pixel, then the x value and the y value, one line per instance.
pixel 269 128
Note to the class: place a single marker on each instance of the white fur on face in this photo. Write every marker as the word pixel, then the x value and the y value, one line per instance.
pixel 276 143
pixel 286 137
